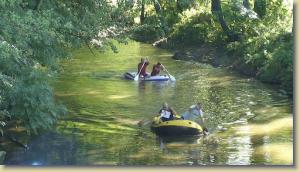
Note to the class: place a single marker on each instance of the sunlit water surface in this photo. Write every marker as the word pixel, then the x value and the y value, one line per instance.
pixel 250 123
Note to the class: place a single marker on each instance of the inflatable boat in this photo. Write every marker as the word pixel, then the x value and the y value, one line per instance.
pixel 175 127
pixel 131 75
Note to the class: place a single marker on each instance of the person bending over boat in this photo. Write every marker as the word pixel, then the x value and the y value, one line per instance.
pixel 193 113
pixel 156 69
pixel 166 113
pixel 142 66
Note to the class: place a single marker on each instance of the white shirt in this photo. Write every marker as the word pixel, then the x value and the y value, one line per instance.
pixel 193 113
pixel 165 114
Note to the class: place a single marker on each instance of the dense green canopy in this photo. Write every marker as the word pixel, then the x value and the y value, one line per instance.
pixel 34 34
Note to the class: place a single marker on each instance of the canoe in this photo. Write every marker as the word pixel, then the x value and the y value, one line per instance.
pixel 131 75
pixel 175 127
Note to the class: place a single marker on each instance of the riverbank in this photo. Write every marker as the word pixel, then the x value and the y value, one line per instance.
pixel 218 56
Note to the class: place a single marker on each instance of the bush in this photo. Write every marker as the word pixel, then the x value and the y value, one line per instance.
pixel 279 66
pixel 147 33
pixel 195 26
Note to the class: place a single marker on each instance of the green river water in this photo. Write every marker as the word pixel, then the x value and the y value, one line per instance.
pixel 250 123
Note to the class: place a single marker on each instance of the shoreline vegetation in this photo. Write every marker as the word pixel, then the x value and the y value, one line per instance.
pixel 216 56
pixel 34 36
pixel 254 38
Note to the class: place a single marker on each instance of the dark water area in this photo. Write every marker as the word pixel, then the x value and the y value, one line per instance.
pixel 251 123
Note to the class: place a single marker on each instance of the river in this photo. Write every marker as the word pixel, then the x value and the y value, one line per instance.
pixel 250 123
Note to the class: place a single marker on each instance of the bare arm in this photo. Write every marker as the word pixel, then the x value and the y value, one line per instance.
pixel 173 111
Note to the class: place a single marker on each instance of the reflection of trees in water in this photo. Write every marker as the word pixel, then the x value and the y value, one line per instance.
pixel 68 149
pixel 229 103
pixel 196 150
pixel 244 99
pixel 140 149
pixel 259 140
pixel 155 87
pixel 151 94
pixel 47 149
pixel 240 150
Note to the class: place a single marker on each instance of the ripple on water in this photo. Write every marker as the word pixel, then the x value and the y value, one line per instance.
pixel 104 110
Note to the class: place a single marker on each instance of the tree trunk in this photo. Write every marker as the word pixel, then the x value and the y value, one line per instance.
pixel 142 16
pixel 217 10
pixel 246 4
pixel 260 7
pixel 159 12
pixel 157 7
pixel 178 6
pixel 294 19
pixel 38 5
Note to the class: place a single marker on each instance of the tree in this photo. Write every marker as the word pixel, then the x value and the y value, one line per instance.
pixel 217 10
pixel 294 18
pixel 260 7
pixel 246 4
pixel 178 6
pixel 34 35
pixel 142 16
pixel 159 12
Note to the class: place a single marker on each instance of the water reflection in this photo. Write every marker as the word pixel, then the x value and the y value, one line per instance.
pixel 50 148
pixel 249 121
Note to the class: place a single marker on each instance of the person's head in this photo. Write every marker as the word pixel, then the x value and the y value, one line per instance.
pixel 160 65
pixel 142 60
pixel 165 105
pixel 199 106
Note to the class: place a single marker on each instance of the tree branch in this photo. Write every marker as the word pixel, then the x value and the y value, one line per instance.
pixel 38 5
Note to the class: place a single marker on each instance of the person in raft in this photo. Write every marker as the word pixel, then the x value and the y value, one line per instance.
pixel 194 112
pixel 156 69
pixel 166 113
pixel 142 66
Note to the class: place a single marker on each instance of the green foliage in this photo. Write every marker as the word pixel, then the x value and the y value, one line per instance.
pixel 156 25
pixel 185 4
pixel 279 65
pixel 35 108
pixel 266 47
pixel 195 26
pixel 147 33
pixel 263 47
pixel 152 29
pixel 260 7
pixel 34 35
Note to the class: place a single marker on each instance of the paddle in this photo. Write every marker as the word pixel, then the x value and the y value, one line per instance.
pixel 172 78
pixel 143 122
pixel 138 74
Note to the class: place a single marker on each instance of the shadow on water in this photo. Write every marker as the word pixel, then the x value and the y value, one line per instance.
pixel 178 139
pixel 48 149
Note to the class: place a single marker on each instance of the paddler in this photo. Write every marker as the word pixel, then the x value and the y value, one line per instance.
pixel 194 112
pixel 142 66
pixel 167 113
pixel 156 69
